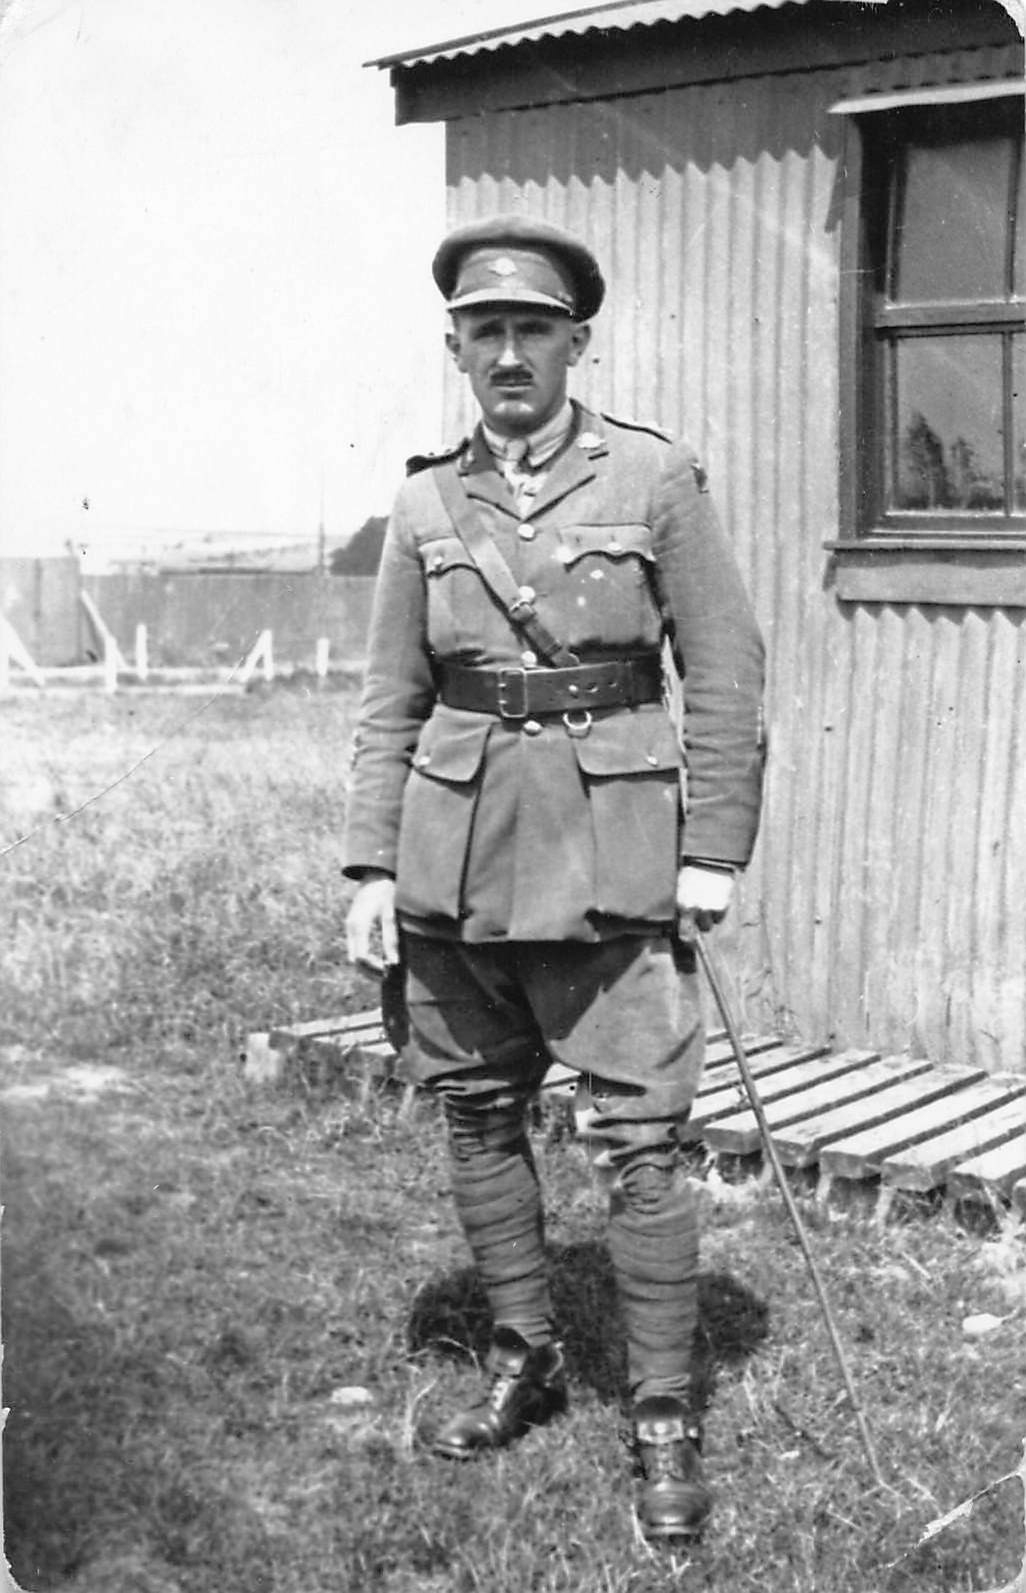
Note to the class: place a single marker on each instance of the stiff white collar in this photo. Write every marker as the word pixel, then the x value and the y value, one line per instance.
pixel 538 446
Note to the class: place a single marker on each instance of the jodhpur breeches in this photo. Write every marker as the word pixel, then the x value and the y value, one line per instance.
pixel 486 1023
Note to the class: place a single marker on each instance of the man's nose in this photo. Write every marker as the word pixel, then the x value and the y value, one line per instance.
pixel 510 354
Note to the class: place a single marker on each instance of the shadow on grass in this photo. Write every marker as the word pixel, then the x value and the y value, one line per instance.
pixel 450 1316
pixel 109 1479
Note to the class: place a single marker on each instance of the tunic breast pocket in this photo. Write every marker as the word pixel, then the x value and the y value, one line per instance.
pixel 454 594
pixel 607 595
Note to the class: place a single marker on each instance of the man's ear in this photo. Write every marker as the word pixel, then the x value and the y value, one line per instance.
pixel 454 343
pixel 580 337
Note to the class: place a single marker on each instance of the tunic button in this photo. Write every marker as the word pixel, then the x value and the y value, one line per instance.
pixel 651 758
pixel 529 659
pixel 422 760
pixel 531 727
pixel 615 546
pixel 526 594
pixel 527 531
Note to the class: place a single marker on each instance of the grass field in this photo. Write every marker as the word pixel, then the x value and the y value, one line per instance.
pixel 228 1311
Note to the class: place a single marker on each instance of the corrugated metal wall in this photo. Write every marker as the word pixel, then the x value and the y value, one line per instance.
pixel 885 901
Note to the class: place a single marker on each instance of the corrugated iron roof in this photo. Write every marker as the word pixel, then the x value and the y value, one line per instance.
pixel 618 16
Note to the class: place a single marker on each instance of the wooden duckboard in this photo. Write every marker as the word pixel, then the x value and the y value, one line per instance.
pixel 970 1129
pixel 960 1096
pixel 862 1074
pixel 913 1086
pixel 1001 1168
pixel 720 1067
pixel 351 1051
pixel 764 1056
pixel 781 1071
pixel 350 1024
pixel 915 1125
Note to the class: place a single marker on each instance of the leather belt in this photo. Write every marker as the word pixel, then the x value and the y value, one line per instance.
pixel 515 693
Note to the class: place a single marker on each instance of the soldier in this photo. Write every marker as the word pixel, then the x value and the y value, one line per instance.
pixel 516 821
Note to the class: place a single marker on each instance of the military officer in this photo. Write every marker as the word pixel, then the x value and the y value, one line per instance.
pixel 516 821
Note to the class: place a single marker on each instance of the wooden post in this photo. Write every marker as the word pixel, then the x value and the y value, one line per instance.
pixel 142 658
pixel 13 650
pixel 262 652
pixel 110 663
pixel 112 659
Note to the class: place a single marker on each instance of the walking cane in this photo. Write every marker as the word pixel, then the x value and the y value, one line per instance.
pixel 708 960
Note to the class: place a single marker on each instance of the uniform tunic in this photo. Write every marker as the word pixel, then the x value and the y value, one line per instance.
pixel 503 830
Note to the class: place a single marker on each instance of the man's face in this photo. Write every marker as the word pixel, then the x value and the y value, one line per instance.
pixel 517 360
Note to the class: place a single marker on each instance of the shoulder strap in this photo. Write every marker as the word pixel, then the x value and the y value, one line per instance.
pixel 495 572
pixel 418 462
pixel 636 425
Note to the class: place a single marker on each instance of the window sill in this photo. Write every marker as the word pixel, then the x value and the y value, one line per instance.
pixel 877 571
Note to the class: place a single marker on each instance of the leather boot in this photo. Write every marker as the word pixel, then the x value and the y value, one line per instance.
pixel 673 1501
pixel 527 1386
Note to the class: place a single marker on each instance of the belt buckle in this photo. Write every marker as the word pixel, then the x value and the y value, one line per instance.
pixel 517 708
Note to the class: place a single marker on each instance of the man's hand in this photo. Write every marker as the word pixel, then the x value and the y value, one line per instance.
pixel 703 897
pixel 372 912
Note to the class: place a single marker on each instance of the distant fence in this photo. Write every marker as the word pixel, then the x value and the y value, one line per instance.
pixel 197 618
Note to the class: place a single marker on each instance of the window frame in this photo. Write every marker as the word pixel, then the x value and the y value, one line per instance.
pixel 905 555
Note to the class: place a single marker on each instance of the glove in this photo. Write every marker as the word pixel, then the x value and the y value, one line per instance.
pixel 372 915
pixel 703 897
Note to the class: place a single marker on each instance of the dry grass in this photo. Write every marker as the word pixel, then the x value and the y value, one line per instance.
pixel 195 1272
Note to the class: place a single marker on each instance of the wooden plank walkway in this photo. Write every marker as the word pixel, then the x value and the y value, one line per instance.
pixel 902 1122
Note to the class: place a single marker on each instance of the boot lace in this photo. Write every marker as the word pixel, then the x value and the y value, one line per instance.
pixel 503 1384
pixel 665 1462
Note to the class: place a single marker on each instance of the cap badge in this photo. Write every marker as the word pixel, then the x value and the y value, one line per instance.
pixel 503 266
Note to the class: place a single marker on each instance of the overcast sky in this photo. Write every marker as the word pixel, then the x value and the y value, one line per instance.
pixel 215 304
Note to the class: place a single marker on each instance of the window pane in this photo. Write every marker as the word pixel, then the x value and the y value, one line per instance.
pixel 1019 424
pixel 948 424
pixel 954 221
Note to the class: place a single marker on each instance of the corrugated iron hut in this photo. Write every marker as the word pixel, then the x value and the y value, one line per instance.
pixel 812 218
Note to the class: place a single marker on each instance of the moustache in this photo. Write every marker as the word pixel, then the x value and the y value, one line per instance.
pixel 517 378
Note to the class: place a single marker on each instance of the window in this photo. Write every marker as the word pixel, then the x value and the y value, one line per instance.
pixel 934 338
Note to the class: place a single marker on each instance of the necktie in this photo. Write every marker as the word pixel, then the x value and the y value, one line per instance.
pixel 513 465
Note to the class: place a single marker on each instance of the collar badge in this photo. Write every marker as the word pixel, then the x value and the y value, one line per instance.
pixel 589 439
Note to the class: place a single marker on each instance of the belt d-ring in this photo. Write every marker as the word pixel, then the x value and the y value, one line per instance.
pixel 577 722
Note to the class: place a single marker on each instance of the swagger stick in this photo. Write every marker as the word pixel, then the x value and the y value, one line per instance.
pixel 707 958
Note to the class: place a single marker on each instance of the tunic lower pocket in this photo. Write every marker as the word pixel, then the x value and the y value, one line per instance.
pixel 438 811
pixel 630 764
